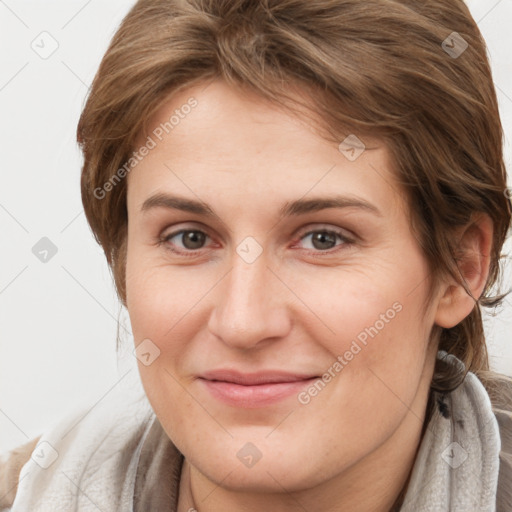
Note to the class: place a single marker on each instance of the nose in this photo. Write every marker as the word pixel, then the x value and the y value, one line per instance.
pixel 250 306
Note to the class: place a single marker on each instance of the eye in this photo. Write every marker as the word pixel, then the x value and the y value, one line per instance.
pixel 323 240
pixel 191 240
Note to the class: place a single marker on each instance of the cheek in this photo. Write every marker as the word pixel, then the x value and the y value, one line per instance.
pixel 159 305
pixel 354 308
pixel 158 295
pixel 168 307
pixel 380 334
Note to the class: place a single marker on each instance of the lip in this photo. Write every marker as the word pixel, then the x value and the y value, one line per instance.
pixel 251 390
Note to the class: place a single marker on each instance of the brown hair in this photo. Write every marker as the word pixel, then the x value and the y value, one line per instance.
pixel 382 68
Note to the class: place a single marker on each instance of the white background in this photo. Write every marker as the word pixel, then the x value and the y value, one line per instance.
pixel 58 319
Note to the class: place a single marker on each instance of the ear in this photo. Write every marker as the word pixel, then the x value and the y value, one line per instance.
pixel 474 249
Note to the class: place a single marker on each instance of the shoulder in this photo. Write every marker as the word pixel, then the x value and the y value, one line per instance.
pixel 499 388
pixel 92 448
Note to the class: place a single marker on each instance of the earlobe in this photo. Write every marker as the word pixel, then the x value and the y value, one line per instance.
pixel 473 257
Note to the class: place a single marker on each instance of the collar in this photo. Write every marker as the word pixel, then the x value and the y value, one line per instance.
pixel 158 472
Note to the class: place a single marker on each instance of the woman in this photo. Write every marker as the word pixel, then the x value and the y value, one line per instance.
pixel 303 204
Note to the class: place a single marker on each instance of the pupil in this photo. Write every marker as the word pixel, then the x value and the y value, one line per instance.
pixel 193 239
pixel 323 238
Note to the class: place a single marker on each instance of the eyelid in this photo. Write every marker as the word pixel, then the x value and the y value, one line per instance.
pixel 198 226
pixel 325 227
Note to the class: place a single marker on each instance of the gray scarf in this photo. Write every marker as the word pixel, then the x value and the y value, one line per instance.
pixel 457 466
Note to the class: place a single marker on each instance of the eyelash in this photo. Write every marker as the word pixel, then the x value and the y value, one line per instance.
pixel 347 242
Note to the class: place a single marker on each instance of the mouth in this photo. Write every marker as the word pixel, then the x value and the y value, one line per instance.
pixel 252 390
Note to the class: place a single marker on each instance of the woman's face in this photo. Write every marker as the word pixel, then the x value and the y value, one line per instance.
pixel 269 256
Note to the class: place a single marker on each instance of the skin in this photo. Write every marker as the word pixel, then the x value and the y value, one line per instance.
pixel 297 307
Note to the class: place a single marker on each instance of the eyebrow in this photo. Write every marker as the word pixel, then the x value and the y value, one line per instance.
pixel 290 208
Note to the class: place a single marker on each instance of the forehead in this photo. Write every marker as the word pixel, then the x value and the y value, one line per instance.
pixel 219 109
pixel 216 137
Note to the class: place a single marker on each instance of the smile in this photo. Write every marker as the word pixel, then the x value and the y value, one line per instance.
pixel 252 391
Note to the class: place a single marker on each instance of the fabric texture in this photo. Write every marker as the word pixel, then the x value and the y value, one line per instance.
pixel 88 461
pixel 117 457
pixel 459 454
